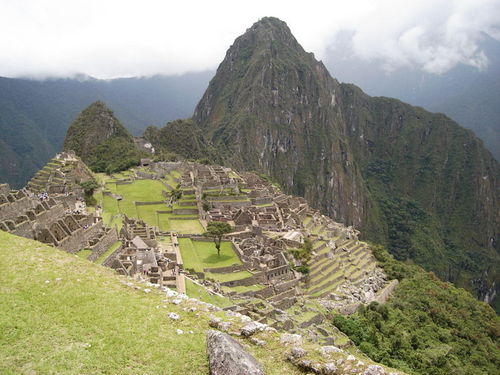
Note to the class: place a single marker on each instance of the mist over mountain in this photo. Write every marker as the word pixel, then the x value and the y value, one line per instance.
pixel 34 115
pixel 466 94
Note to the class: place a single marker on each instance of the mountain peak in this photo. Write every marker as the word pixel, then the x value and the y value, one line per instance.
pixel 270 26
pixel 268 29
pixel 93 126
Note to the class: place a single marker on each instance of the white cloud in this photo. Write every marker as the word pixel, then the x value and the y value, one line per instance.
pixel 113 38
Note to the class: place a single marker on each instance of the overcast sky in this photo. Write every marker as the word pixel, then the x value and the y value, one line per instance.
pixel 121 38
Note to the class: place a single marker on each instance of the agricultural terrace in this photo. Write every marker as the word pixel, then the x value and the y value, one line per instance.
pixel 146 190
pixel 198 255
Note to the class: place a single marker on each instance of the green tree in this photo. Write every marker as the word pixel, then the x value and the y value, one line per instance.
pixel 216 230
pixel 89 186
pixel 176 193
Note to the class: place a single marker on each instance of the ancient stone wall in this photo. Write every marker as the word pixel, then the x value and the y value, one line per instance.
pixel 221 204
pixel 228 269
pixel 386 292
pixel 316 319
pixel 12 207
pixel 112 257
pixel 265 292
pixel 78 239
pixel 258 278
pixel 105 242
pixel 282 272
pixel 281 287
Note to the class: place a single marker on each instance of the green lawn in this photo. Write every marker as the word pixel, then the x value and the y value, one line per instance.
pixel 186 226
pixel 221 277
pixel 147 213
pixel 138 191
pixel 198 255
pixel 73 317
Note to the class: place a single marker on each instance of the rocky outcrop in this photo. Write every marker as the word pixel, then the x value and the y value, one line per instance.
pixel 227 357
pixel 273 108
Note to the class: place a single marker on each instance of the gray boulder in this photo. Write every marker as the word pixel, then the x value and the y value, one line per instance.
pixel 252 327
pixel 227 357
pixel 374 370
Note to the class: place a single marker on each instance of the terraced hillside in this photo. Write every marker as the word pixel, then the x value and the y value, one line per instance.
pixel 61 174
pixel 256 268
pixel 148 200
pixel 329 268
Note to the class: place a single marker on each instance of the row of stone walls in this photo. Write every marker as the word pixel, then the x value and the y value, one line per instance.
pixel 108 262
pixel 78 239
pixel 104 244
pixel 258 278
pixel 11 209
pixel 227 269
pixel 26 223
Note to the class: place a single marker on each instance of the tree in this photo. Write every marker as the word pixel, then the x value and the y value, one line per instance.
pixel 89 186
pixel 176 193
pixel 216 230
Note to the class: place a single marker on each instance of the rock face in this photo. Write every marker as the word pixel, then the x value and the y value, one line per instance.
pixel 227 357
pixel 273 108
pixel 412 180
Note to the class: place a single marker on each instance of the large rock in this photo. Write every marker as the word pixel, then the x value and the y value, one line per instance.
pixel 227 357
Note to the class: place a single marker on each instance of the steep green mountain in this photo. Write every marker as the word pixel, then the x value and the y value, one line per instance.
pixel 35 114
pixel 273 108
pixel 412 180
pixel 180 137
pixel 101 141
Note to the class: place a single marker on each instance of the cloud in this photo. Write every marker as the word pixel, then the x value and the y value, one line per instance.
pixel 116 38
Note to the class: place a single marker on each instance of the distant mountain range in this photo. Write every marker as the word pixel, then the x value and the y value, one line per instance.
pixel 34 115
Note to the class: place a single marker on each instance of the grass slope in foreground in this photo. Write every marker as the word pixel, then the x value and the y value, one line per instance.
pixel 61 314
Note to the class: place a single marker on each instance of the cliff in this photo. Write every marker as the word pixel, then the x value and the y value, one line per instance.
pixel 412 180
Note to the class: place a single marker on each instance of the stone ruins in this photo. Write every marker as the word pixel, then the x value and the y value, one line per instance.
pixel 270 230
